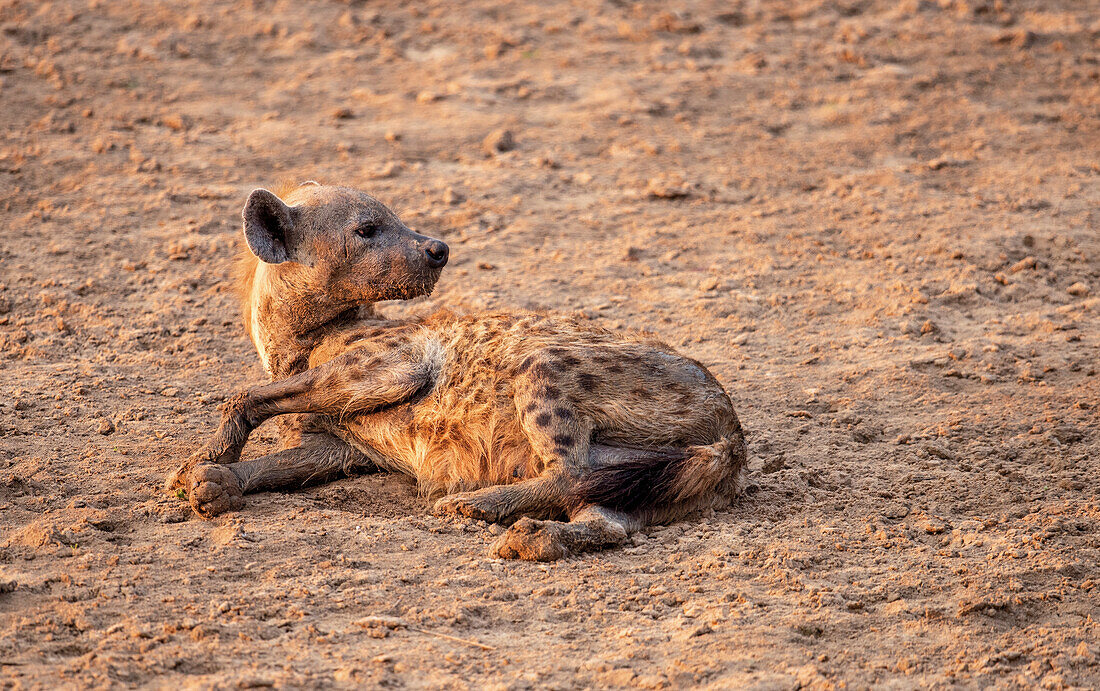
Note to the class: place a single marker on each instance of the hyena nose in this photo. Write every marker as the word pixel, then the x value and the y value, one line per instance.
pixel 436 252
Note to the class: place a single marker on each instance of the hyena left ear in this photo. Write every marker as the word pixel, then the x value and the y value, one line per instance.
pixel 269 227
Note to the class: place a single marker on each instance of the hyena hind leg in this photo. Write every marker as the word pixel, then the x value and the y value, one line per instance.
pixel 590 528
pixel 543 495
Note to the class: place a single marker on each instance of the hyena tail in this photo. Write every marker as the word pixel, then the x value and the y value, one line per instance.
pixel 656 478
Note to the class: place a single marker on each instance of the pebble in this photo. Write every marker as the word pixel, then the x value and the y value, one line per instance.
pixel 933 526
pixel 389 170
pixel 498 141
pixel 105 427
pixel 895 511
pixel 451 196
pixel 1078 289
pixel 1024 264
pixel 668 188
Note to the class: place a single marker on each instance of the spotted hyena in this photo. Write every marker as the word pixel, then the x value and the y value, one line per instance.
pixel 573 434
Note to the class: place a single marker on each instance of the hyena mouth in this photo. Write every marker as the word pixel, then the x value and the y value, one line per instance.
pixel 421 287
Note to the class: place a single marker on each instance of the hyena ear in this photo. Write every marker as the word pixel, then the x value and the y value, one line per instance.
pixel 269 227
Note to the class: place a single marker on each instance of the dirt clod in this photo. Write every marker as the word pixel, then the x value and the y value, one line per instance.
pixel 498 141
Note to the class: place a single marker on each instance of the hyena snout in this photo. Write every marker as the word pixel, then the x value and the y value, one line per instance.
pixel 436 252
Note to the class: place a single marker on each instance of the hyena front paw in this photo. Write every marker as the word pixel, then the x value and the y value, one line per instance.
pixel 214 489
pixel 469 505
pixel 531 540
pixel 178 479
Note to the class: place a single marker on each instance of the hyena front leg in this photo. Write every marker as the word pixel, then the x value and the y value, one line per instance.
pixel 214 489
pixel 559 436
pixel 352 383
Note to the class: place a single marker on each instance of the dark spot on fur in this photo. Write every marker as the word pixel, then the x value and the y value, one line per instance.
pixel 563 440
pixel 587 380
pixel 525 365
pixel 564 413
pixel 615 368
pixel 570 361
pixel 550 391
pixel 531 407
pixel 542 419
pixel 642 393
pixel 542 370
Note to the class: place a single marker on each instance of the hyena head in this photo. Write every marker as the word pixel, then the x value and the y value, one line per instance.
pixel 341 243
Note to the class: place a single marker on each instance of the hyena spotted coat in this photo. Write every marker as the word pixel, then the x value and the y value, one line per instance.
pixel 520 418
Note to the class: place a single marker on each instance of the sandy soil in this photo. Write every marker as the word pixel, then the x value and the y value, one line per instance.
pixel 877 222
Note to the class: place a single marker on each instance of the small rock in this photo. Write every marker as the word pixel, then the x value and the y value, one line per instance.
pixel 427 97
pixel 895 511
pixel 1024 264
pixel 701 630
pixel 342 114
pixel 632 254
pixel 498 141
pixel 709 283
pixel 105 427
pixel 1019 39
pixel 1067 434
pixel 451 196
pixel 486 266
pixel 933 526
pixel 668 188
pixel 619 677
pixel 928 327
pixel 174 122
pixel 774 464
pixel 1078 289
pixel 389 170
pixel 865 435
pixel 936 450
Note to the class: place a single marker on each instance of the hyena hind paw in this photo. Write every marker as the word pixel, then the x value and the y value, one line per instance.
pixel 468 506
pixel 531 540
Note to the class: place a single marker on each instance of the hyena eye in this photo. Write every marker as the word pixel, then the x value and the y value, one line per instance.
pixel 367 230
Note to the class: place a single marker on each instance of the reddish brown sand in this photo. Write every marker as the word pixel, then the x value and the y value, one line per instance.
pixel 875 221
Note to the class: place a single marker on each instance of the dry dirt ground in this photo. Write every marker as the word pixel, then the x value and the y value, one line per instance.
pixel 876 221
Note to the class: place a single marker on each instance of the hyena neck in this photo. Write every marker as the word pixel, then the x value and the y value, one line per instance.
pixel 286 321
